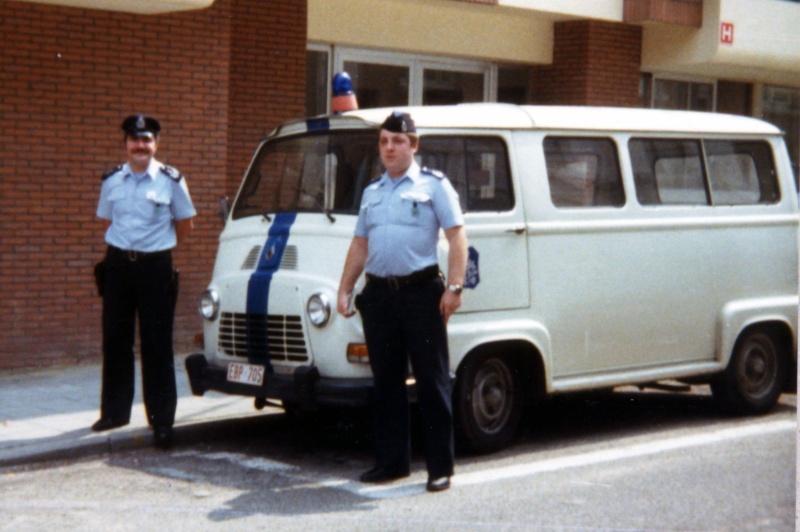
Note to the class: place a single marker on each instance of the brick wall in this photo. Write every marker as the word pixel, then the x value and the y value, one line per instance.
pixel 67 79
pixel 594 63
pixel 677 12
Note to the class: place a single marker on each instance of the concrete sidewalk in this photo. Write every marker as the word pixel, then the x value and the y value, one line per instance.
pixel 47 414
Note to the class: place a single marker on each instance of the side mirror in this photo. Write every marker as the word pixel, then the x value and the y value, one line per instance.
pixel 224 209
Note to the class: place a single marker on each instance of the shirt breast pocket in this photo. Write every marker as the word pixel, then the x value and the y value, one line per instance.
pixel 416 209
pixel 158 204
pixel 375 211
pixel 117 194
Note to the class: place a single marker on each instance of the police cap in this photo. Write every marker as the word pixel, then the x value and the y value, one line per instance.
pixel 399 122
pixel 141 126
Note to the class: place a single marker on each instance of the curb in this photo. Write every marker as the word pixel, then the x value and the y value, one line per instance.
pixel 131 439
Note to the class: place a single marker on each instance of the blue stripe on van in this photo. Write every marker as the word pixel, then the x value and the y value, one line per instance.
pixel 258 286
pixel 318 124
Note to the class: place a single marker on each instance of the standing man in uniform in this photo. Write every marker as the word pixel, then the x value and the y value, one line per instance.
pixel 146 211
pixel 405 305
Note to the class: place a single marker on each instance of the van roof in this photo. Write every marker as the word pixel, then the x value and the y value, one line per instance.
pixel 508 116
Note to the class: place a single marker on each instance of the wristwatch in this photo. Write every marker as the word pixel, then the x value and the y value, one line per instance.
pixel 455 288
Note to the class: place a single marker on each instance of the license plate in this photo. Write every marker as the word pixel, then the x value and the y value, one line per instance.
pixel 252 374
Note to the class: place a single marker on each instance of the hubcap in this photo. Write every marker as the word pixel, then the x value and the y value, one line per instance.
pixel 492 396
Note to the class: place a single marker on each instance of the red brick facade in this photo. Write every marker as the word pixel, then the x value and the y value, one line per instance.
pixel 677 12
pixel 217 79
pixel 594 63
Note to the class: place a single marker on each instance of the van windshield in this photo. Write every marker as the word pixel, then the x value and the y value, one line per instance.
pixel 318 172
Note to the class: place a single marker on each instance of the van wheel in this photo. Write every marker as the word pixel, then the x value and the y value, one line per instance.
pixel 753 380
pixel 487 402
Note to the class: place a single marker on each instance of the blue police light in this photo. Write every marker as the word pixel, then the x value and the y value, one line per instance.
pixel 343 99
pixel 342 84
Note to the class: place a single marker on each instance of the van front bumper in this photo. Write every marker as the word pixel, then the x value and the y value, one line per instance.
pixel 304 387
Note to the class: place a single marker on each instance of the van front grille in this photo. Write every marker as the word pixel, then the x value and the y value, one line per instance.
pixel 258 336
pixel 288 261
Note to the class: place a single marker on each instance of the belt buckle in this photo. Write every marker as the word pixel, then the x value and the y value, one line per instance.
pixel 133 255
pixel 393 283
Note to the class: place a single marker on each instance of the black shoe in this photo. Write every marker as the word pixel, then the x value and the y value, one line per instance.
pixel 107 423
pixel 162 436
pixel 376 475
pixel 438 484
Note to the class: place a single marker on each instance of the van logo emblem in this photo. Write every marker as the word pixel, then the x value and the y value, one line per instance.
pixel 269 254
pixel 473 276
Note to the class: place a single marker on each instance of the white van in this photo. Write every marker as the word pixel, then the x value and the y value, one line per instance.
pixel 608 247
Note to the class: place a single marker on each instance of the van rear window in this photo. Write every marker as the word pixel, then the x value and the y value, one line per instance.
pixel 703 172
pixel 583 172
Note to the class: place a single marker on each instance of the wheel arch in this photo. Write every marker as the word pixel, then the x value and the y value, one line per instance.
pixel 778 315
pixel 786 342
pixel 530 364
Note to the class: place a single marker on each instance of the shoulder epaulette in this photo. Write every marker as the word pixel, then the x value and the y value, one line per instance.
pixel 111 171
pixel 172 173
pixel 435 173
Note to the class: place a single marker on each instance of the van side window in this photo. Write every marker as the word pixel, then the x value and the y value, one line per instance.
pixel 583 172
pixel 741 172
pixel 671 172
pixel 476 166
pixel 668 172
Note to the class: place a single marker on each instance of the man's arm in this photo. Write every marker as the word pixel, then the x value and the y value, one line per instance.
pixel 456 269
pixel 353 267
pixel 183 228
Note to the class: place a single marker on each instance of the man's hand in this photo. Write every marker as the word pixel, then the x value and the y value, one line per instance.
pixel 343 304
pixel 449 304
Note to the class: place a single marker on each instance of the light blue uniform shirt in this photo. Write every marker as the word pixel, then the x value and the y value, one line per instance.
pixel 143 209
pixel 401 219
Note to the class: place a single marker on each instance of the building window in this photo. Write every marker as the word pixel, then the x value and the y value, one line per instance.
pixel 734 98
pixel 378 85
pixel 390 79
pixel 317 81
pixel 781 106
pixel 444 87
pixel 683 95
pixel 513 85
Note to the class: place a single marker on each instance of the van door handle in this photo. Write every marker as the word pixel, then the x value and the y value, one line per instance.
pixel 516 230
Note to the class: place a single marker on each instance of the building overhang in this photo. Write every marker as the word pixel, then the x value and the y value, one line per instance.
pixel 140 7
pixel 742 40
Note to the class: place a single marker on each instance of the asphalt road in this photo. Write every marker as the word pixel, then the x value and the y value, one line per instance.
pixel 625 461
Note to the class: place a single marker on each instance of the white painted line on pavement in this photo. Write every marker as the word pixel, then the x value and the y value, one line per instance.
pixel 578 460
pixel 411 487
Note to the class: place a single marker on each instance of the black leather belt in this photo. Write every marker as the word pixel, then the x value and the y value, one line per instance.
pixel 133 255
pixel 396 283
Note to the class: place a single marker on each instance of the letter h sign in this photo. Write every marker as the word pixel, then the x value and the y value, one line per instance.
pixel 726 33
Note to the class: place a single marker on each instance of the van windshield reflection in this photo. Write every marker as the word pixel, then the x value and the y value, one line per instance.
pixel 316 173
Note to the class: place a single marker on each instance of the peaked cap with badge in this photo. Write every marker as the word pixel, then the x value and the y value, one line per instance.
pixel 399 122
pixel 141 126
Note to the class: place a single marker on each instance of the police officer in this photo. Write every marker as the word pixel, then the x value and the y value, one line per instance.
pixel 146 210
pixel 405 304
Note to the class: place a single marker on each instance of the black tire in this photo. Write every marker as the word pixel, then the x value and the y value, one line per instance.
pixel 487 402
pixel 755 376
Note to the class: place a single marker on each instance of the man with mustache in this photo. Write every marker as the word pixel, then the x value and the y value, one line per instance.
pixel 146 211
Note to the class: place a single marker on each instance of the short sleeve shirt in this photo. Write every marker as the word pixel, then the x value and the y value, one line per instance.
pixel 401 219
pixel 143 208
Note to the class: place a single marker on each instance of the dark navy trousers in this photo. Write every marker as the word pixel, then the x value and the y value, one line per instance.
pixel 402 325
pixel 142 287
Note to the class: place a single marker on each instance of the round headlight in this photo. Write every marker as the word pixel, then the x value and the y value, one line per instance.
pixel 318 310
pixel 209 304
